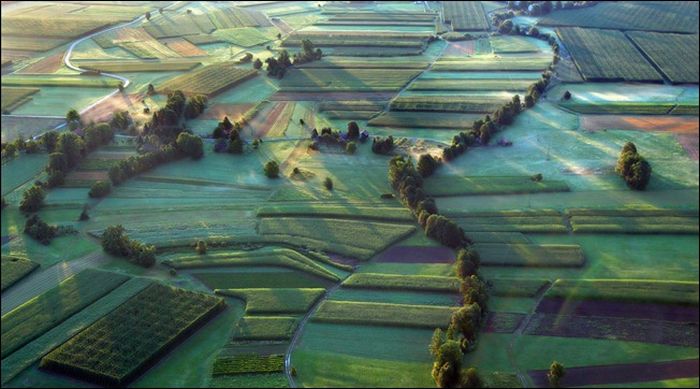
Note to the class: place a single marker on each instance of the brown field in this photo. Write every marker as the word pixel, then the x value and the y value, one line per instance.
pixel 502 322
pixel 233 111
pixel 118 102
pixel 49 64
pixel 414 254
pixel 460 48
pixel 622 373
pixel 328 96
pixel 183 47
pixel 618 309
pixel 621 328
pixel 264 120
pixel 685 127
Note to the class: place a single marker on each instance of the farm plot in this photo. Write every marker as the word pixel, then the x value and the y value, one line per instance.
pixel 30 43
pixel 529 255
pixel 472 185
pixel 14 97
pixel 365 63
pixel 62 26
pixel 368 237
pixel 30 320
pixel 150 49
pixel 662 48
pixel 629 329
pixel 14 269
pixel 125 66
pixel 275 300
pixel 502 322
pixel 678 16
pixel 265 328
pixel 492 63
pixel 248 363
pixel 402 282
pixel 183 47
pixel 465 15
pixel 177 26
pixel 245 37
pixel 642 291
pixel 416 254
pixel 233 17
pixel 111 39
pixel 474 103
pixel 340 80
pixel 400 315
pixel 502 44
pixel 49 64
pixel 516 287
pixel 116 348
pixel 408 119
pixel 606 55
pixel 60 80
pixel 208 80
pixel 617 221
pixel 259 276
pixel 36 349
pixel 435 84
pixel 336 211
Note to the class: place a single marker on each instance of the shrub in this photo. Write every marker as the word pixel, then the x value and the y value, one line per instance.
pixel 567 95
pixel 272 169
pixel 328 183
pixel 39 230
pixel 505 27
pixel 257 64
pixel 444 231
pixel 351 147
pixel 116 242
pixel 383 146
pixel 201 247
pixel 84 214
pixel 427 165
pixel 467 262
pixel 100 189
pixel 537 177
pixel 555 374
pixel 32 199
pixel 191 145
pixel 353 130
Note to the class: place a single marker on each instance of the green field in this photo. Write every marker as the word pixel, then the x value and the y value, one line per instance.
pixel 265 328
pixel 660 48
pixel 465 16
pixel 408 119
pixel 530 255
pixel 606 55
pixel 661 292
pixel 336 211
pixel 455 186
pixel 14 269
pixel 275 300
pixel 473 103
pixel 335 80
pixel 401 315
pixel 140 66
pixel 402 282
pixel 248 364
pixel 75 80
pixel 245 37
pixel 492 63
pixel 38 315
pixel 14 97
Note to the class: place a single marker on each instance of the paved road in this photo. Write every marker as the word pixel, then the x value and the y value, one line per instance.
pixel 42 280
pixel 297 335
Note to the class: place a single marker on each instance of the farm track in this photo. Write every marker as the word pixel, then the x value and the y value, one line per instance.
pixel 40 281
pixel 299 331
pixel 522 375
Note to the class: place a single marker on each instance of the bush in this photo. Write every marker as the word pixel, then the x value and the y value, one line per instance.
pixel 84 214
pixel 555 374
pixel 257 64
pixel 467 262
pixel 351 147
pixel 383 146
pixel 272 169
pixel 567 95
pixel 115 241
pixel 32 199
pixel 201 247
pixel 353 130
pixel 505 27
pixel 444 231
pixel 537 177
pixel 328 183
pixel 191 145
pixel 39 230
pixel 100 189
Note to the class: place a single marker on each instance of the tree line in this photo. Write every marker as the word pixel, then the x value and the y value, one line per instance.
pixel 115 241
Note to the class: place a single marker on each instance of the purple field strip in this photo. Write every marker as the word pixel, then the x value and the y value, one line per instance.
pixel 417 254
pixel 618 309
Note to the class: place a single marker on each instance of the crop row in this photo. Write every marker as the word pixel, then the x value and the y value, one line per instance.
pixel 402 282
pixel 480 185
pixel 140 66
pixel 644 291
pixel 14 97
pixel 530 255
pixel 400 315
pixel 409 119
pixel 265 328
pixel 336 211
pixel 465 15
pixel 448 103
pixel 248 363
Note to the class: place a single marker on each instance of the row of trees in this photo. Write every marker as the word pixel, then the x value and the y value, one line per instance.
pixel 308 53
pixel 195 106
pixel 43 232
pixel 116 242
pixel 277 67
pixel 383 145
pixel 633 168
pixel 127 168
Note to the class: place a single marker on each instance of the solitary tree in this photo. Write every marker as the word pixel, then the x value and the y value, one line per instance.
pixel 32 199
pixel 353 130
pixel 148 16
pixel 556 373
pixel 72 116
pixel 272 169
pixel 328 183
pixel 257 64
pixel 201 247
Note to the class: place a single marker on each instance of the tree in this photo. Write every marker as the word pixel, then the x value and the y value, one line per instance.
pixel 467 262
pixel 57 162
pixel 328 183
pixel 4 202
pixel 474 291
pixel 353 130
pixel 279 35
pixel 40 230
pixel 640 174
pixel 534 32
pixel 49 139
pixel 272 169
pixel 546 7
pixel 71 145
pixel 555 374
pixel 148 16
pixel 201 247
pixel 517 105
pixel 9 151
pixel 629 147
pixel 537 177
pixel 505 27
pixel 191 145
pixel 84 214
pixel 529 101
pixel 447 364
pixel 32 199
pixel 567 95
pixel 235 146
pixel 444 231
pixel 151 90
pixel 31 147
pixel 55 178
pixel 436 342
pixel 100 189
pixel 257 64
pixel 427 165
pixel 72 116
pixel 466 320
pixel 115 241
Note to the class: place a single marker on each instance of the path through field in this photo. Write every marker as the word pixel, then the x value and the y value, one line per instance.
pixel 297 335
pixel 40 281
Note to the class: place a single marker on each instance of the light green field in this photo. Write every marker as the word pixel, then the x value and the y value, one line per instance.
pixel 57 100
